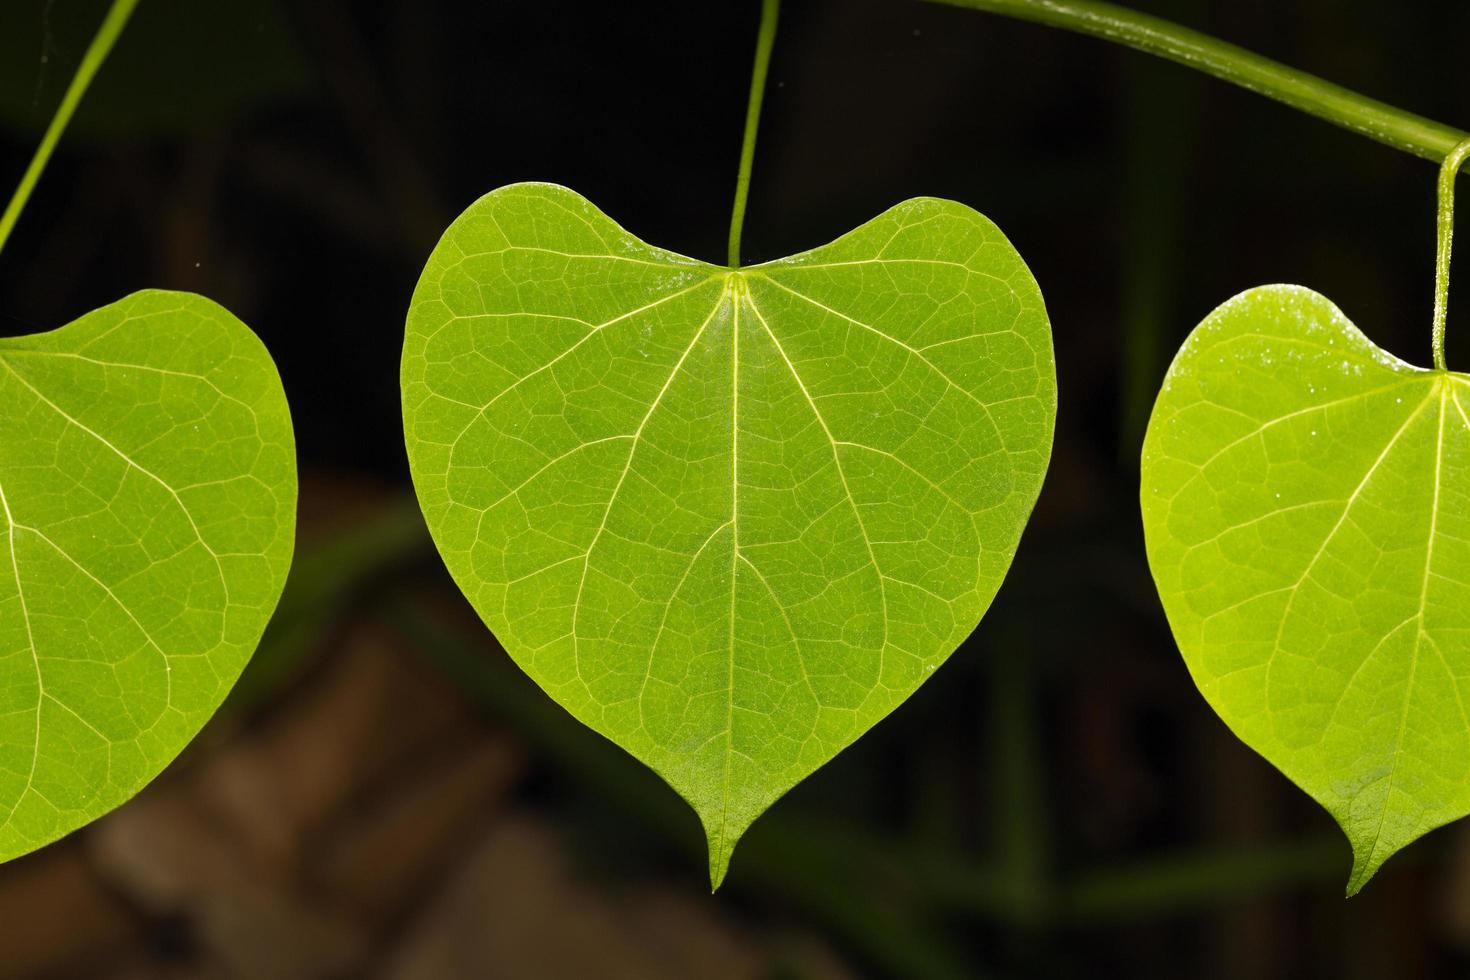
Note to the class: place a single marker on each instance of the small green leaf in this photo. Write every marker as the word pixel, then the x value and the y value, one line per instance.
pixel 729 519
pixel 147 516
pixel 1306 502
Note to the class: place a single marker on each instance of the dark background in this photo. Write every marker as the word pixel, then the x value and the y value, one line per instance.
pixel 386 796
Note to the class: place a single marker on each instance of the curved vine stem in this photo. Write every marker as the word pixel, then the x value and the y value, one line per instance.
pixel 765 40
pixel 97 51
pixel 1448 171
pixel 1377 120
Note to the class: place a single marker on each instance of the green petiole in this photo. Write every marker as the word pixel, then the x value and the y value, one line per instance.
pixel 1448 171
pixel 96 54
pixel 765 40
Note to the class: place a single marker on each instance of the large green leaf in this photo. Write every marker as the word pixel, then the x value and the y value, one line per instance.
pixel 729 519
pixel 1305 504
pixel 147 515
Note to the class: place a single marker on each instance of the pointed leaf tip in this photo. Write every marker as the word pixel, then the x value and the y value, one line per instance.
pixel 719 865
pixel 1368 857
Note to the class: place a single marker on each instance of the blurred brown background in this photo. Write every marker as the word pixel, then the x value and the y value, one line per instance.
pixel 386 796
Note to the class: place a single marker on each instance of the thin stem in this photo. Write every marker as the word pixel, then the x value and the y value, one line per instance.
pixel 1447 174
pixel 107 34
pixel 765 40
pixel 1326 100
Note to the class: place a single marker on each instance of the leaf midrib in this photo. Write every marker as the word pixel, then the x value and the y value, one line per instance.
pixel 737 294
pixel 1419 631
pixel 1421 634
pixel 10 528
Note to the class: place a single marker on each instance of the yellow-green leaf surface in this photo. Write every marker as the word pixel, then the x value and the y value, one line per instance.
pixel 1306 502
pixel 729 519
pixel 147 514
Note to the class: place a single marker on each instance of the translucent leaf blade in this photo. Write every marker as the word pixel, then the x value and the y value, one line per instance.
pixel 147 517
pixel 729 519
pixel 1305 505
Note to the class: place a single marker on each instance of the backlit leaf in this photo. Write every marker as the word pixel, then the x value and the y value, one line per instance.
pixel 729 519
pixel 1306 501
pixel 147 514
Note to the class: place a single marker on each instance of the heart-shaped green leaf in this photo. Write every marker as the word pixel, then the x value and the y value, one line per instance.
pixel 147 515
pixel 1305 505
pixel 729 519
